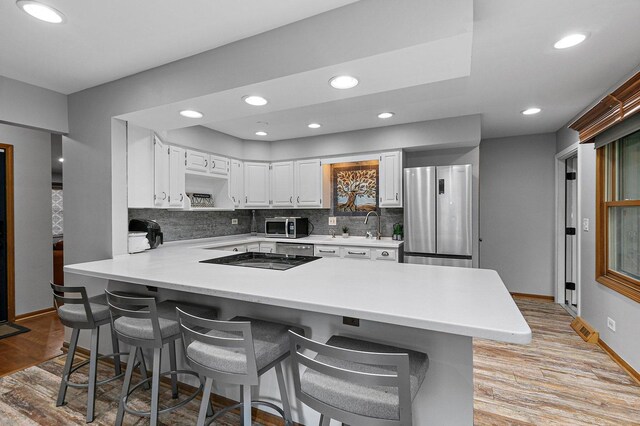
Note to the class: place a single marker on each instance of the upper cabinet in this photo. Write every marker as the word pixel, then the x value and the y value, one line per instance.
pixel 308 183
pixel 218 165
pixel 197 161
pixel 160 173
pixel 236 182
pixel 256 184
pixel 282 184
pixel 176 177
pixel 390 186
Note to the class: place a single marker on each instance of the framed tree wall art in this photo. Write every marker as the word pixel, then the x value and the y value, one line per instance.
pixel 355 190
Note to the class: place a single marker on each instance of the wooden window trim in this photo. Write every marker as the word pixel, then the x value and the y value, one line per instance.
pixel 617 106
pixel 614 280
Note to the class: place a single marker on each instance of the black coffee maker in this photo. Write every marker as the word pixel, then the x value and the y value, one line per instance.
pixel 151 227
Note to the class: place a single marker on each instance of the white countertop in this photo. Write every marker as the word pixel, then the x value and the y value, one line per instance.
pixel 463 301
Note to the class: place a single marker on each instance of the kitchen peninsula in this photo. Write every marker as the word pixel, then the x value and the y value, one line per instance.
pixel 438 310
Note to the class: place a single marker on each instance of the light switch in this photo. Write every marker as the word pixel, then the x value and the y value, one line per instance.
pixel 234 221
pixel 332 220
pixel 585 223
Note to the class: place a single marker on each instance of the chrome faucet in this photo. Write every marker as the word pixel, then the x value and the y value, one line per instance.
pixel 366 219
pixel 333 233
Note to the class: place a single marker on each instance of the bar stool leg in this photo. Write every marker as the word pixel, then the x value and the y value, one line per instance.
pixel 155 386
pixel 246 405
pixel 115 345
pixel 143 369
pixel 324 421
pixel 125 386
pixel 73 343
pixel 93 372
pixel 283 392
pixel 173 365
pixel 205 405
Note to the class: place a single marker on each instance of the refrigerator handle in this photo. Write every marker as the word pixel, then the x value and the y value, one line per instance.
pixel 440 186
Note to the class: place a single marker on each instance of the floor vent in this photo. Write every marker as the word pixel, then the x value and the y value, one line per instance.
pixel 585 331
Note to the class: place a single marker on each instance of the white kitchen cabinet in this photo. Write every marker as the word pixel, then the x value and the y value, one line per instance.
pixel 308 183
pixel 255 247
pixel 140 184
pixel 176 177
pixel 385 254
pixel 267 247
pixel 355 253
pixel 218 165
pixel 256 184
pixel 282 184
pixel 326 251
pixel 236 179
pixel 160 173
pixel 390 186
pixel 197 161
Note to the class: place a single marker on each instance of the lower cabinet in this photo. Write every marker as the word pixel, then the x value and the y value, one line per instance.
pixel 356 253
pixel 267 247
pixel 326 251
pixel 236 247
pixel 253 247
pixel 351 252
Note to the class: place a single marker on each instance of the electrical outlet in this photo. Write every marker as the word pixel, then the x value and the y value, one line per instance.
pixel 611 324
pixel 585 223
pixel 234 221
pixel 332 220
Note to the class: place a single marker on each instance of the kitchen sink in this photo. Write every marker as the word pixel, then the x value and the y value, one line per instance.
pixel 273 261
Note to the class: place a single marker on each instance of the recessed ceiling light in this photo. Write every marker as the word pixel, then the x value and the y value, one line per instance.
pixel 189 113
pixel 343 82
pixel 61 160
pixel 570 41
pixel 41 11
pixel 261 133
pixel 386 115
pixel 531 111
pixel 314 125
pixel 255 100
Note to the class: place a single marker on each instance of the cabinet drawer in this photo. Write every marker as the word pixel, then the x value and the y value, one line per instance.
pixel 385 254
pixel 326 251
pixel 253 247
pixel 356 252
pixel 267 247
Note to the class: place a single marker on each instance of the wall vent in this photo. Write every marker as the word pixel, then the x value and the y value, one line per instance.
pixel 584 330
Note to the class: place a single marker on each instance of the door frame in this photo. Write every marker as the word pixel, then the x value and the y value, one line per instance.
pixel 11 298
pixel 560 234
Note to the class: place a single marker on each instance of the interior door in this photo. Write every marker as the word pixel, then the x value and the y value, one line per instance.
pixel 4 286
pixel 571 239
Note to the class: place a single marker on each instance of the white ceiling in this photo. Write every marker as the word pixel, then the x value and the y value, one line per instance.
pixel 504 65
pixel 103 41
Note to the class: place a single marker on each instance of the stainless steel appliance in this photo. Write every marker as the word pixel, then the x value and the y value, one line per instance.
pixel 437 215
pixel 294 249
pixel 286 227
pixel 151 227
pixel 278 262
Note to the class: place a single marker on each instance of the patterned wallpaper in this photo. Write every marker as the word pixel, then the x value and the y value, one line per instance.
pixel 57 223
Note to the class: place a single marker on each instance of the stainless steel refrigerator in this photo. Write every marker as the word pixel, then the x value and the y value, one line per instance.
pixel 437 215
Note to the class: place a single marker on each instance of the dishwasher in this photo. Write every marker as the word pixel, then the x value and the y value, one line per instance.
pixel 295 248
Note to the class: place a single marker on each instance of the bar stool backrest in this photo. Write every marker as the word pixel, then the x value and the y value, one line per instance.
pixel 61 294
pixel 121 306
pixel 398 379
pixel 234 334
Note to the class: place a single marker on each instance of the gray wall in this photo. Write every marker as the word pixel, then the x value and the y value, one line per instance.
pixel 32 213
pixel 445 157
pixel 517 211
pixel 26 105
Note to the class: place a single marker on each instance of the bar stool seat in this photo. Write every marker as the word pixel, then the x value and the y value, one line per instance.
pixel 270 342
pixel 97 304
pixel 142 328
pixel 371 401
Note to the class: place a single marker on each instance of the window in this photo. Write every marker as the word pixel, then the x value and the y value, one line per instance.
pixel 618 216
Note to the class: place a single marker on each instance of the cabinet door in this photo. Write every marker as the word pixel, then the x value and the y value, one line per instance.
pixel 236 178
pixel 218 165
pixel 308 183
pixel 282 184
pixel 160 173
pixel 256 184
pixel 267 247
pixel 176 177
pixel 255 247
pixel 390 168
pixel 197 161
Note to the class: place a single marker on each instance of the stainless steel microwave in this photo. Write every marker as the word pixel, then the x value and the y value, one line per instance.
pixel 286 227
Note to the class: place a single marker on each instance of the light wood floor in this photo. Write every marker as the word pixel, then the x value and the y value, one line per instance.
pixel 557 380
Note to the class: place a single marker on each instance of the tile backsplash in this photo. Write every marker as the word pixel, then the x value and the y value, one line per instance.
pixel 185 225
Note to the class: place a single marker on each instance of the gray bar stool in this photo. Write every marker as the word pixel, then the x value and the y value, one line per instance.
pixel 238 352
pixel 357 382
pixel 80 312
pixel 142 322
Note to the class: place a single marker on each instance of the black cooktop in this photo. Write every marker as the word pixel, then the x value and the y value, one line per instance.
pixel 277 262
